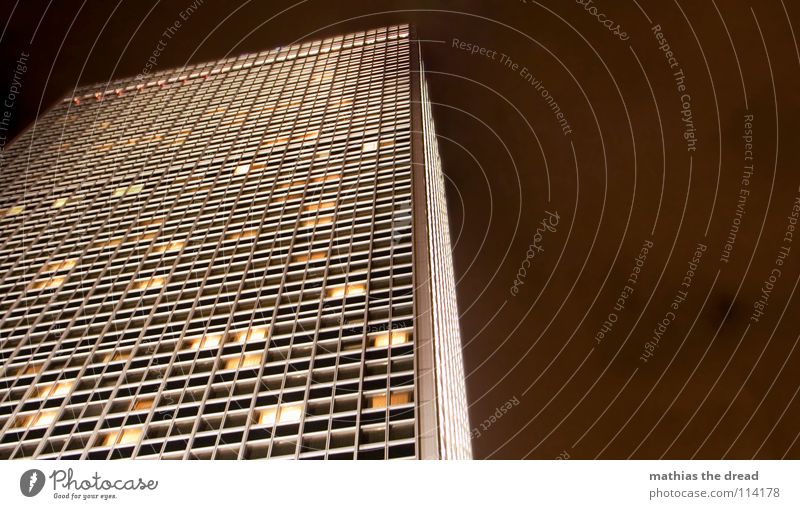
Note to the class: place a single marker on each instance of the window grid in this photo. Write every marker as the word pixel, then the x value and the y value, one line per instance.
pixel 208 265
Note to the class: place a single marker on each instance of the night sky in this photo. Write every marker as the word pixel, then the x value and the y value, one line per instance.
pixel 621 179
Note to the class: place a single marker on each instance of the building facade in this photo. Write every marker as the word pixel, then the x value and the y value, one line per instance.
pixel 243 259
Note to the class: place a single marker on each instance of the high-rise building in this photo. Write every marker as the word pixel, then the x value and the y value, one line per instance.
pixel 242 259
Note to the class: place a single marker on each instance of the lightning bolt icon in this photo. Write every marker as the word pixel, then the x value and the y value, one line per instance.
pixel 32 481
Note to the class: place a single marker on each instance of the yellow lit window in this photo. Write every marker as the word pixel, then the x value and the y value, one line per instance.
pixel 209 341
pixel 146 284
pixel 322 154
pixel 246 234
pixel 143 404
pixel 33 369
pixel 249 361
pixel 172 246
pixel 241 169
pixel 397 398
pixel 254 334
pixel 59 203
pixel 151 222
pixel 393 338
pixel 116 356
pixel 319 206
pixel 318 221
pixel 53 282
pixel 54 390
pixel 59 265
pixel 340 103
pixel 322 76
pixel 280 415
pixel 122 437
pixel 347 290
pixel 42 419
pixel 276 141
pixel 317 255
pixel 369 146
pixel 124 191
pixel 13 211
pixel 108 243
pixel 62 389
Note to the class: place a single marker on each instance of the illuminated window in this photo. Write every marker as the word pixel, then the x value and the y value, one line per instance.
pixel 322 154
pixel 33 369
pixel 146 284
pixel 397 398
pixel 323 76
pixel 122 437
pixel 319 206
pixel 124 191
pixel 393 338
pixel 117 356
pixel 343 102
pixel 209 341
pixel 347 290
pixel 13 211
pixel 249 361
pixel 275 141
pixel 241 169
pixel 59 203
pixel 55 390
pixel 143 404
pixel 369 146
pixel 59 265
pixel 151 222
pixel 280 415
pixel 317 255
pixel 290 105
pixel 172 246
pixel 42 419
pixel 108 243
pixel 53 282
pixel 319 221
pixel 311 135
pixel 254 334
pixel 246 234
